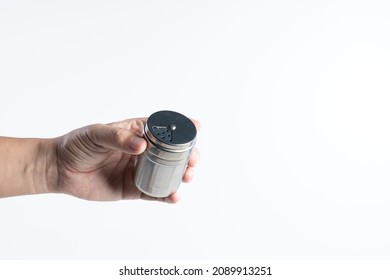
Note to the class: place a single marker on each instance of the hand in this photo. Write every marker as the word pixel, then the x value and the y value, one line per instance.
pixel 96 162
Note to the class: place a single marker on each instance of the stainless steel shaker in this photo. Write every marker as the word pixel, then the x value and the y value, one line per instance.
pixel 171 137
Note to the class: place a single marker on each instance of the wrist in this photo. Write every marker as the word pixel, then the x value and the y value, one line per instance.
pixel 48 149
pixel 27 166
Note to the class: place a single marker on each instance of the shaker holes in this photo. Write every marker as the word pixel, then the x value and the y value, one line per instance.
pixel 163 133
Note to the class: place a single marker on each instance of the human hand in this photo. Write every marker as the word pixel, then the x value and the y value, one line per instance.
pixel 96 162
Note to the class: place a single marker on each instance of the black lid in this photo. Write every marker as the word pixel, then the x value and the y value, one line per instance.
pixel 171 130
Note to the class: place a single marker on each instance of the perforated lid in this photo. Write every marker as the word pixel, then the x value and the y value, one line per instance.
pixel 170 130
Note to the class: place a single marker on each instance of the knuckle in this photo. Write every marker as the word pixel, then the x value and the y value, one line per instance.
pixel 118 133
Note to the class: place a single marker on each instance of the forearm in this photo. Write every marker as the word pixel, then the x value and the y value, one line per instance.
pixel 27 166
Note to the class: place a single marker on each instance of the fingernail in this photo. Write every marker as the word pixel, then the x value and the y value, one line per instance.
pixel 136 143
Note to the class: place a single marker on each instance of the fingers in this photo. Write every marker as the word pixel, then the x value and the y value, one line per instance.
pixel 134 125
pixel 171 199
pixel 118 138
pixel 197 124
pixel 189 173
pixel 194 158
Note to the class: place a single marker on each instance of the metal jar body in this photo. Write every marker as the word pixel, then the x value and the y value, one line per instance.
pixel 159 170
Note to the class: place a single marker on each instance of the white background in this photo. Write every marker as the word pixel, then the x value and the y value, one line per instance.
pixel 294 101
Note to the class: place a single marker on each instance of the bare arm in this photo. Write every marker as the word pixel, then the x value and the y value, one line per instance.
pixel 27 166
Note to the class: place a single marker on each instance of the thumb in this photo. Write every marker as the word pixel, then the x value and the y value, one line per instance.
pixel 117 138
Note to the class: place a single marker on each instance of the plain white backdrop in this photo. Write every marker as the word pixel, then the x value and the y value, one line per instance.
pixel 293 96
